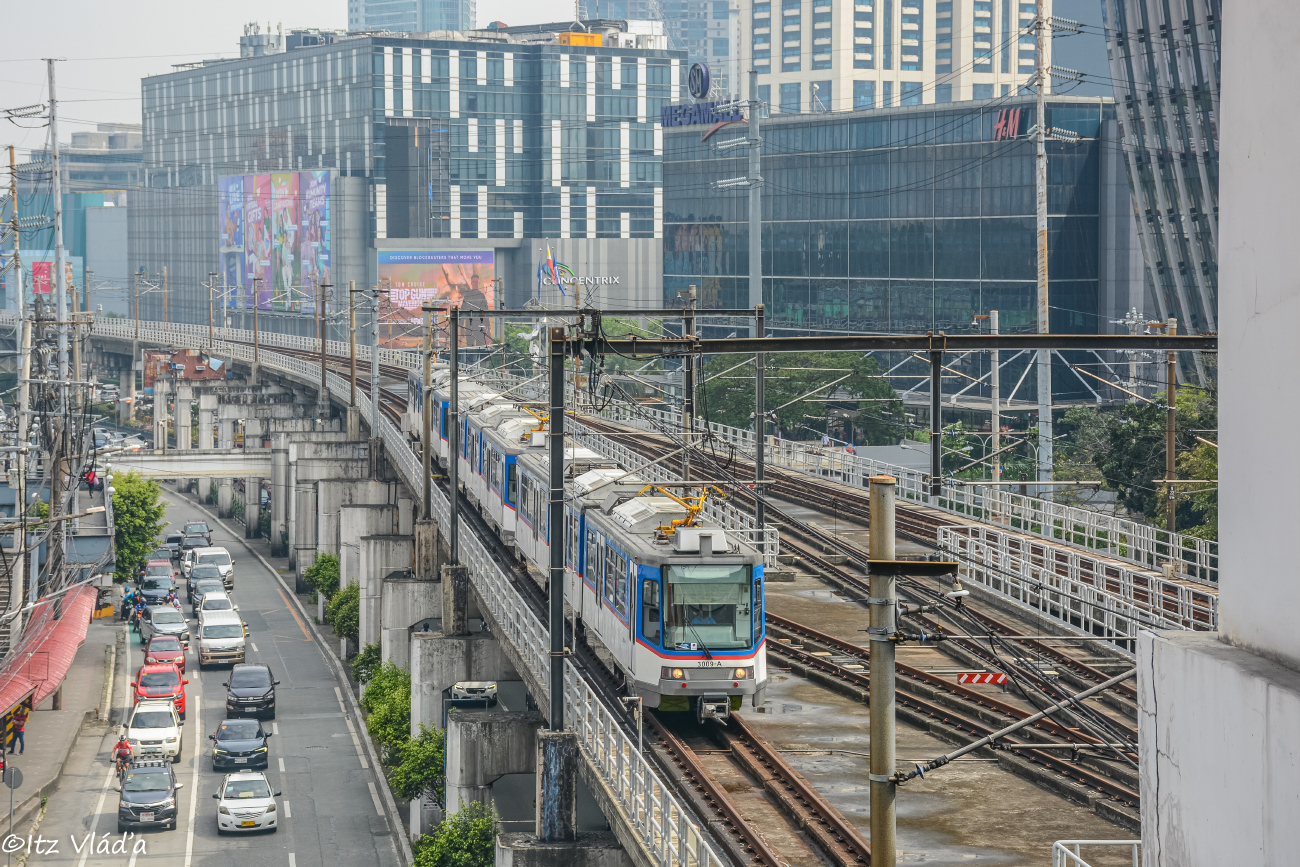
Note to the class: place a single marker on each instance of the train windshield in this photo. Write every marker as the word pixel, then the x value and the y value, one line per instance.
pixel 708 605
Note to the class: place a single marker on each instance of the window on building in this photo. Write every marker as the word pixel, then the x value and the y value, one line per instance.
pixel 887 43
pixel 943 93
pixel 887 95
pixel 790 60
pixel 1005 40
pixel 912 37
pixel 721 47
pixel 765 96
pixel 721 9
pixel 910 93
pixel 819 96
pixel 943 36
pixel 981 91
pixel 864 23
pixel 790 98
pixel 864 94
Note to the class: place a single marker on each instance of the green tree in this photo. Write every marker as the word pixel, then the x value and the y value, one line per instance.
pixel 420 765
pixel 344 612
pixel 137 520
pixel 729 398
pixel 387 701
pixel 1202 501
pixel 466 839
pixel 366 663
pixel 323 575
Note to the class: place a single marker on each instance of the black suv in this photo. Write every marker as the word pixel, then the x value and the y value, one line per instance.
pixel 148 797
pixel 251 691
pixel 204 572
pixel 198 528
pixel 238 744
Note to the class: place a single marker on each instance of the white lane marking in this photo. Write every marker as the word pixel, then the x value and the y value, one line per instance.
pixel 275 728
pixel 287 813
pixel 292 863
pixel 281 761
pixel 112 771
pixel 374 794
pixel 356 742
pixel 255 650
pixel 194 781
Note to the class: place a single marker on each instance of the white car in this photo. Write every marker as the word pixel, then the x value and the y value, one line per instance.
pixel 245 802
pixel 475 691
pixel 155 730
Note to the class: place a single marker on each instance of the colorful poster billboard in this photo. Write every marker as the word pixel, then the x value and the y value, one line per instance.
pixel 42 278
pixel 459 277
pixel 257 241
pixel 314 235
pixel 230 213
pixel 284 241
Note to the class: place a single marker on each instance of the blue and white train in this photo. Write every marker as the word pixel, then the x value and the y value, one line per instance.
pixel 677 603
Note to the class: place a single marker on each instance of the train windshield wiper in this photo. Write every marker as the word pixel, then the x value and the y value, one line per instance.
pixel 698 640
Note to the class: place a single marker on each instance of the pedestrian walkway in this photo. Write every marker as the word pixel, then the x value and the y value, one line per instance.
pixel 51 733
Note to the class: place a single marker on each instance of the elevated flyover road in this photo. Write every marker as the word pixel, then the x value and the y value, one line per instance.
pixel 193 463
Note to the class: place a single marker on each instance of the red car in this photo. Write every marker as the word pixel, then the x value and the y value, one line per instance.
pixel 161 680
pixel 164 649
pixel 160 568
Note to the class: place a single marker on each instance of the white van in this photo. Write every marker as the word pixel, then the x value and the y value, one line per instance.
pixel 221 638
pixel 211 556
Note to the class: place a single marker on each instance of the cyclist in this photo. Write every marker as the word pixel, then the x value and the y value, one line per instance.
pixel 122 752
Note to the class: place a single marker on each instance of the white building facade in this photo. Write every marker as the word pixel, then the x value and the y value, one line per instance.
pixel 840 55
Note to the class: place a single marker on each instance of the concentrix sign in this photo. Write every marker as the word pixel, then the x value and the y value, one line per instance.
pixel 698 113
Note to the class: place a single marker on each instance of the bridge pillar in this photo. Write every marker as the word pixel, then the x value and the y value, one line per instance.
pixel 484 746
pixel 184 402
pixel 438 661
pixel 225 492
pixel 126 395
pixel 428 552
pixel 379 557
pixel 356 521
pixel 407 605
pixel 280 496
pixel 207 415
pixel 354 423
pixel 455 600
pixel 556 800
pixel 252 485
pixel 518 849
pixel 161 394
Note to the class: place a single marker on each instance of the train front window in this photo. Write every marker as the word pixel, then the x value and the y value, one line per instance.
pixel 708 605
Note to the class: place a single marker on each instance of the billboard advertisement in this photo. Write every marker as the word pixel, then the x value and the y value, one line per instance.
pixel 313 235
pixel 453 277
pixel 275 238
pixel 42 278
pixel 230 212
pixel 286 293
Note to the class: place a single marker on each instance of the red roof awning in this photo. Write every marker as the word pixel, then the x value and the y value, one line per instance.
pixel 42 660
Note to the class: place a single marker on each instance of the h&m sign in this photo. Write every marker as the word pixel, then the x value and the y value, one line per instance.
pixel 1007 125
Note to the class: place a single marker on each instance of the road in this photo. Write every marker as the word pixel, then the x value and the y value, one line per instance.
pixel 330 812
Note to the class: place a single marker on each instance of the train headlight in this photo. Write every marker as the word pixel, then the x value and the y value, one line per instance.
pixel 742 673
pixel 667 673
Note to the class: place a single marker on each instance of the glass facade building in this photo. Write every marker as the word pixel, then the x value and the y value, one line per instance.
pixel 502 136
pixel 1164 63
pixel 912 220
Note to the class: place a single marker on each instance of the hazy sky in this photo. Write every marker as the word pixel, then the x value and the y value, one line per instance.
pixel 109 46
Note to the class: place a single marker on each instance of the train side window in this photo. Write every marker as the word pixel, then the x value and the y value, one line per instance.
pixel 621 591
pixel 442 423
pixel 592 571
pixel 608 571
pixel 650 610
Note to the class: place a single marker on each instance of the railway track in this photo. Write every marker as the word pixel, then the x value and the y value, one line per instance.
pixel 791 797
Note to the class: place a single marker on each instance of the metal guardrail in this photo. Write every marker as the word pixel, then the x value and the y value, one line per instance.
pixel 1067 853
pixel 1133 542
pixel 656 815
pixel 1179 605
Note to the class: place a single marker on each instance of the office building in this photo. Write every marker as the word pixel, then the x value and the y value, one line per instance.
pixel 1165 66
pixel 910 220
pixel 292 169
pixel 707 30
pixel 840 55
pixel 411 16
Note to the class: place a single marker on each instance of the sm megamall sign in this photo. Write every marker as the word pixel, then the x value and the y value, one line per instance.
pixel 698 113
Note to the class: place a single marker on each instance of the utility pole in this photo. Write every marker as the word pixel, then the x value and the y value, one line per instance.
pixel 137 305
pixel 165 294
pixel 754 111
pixel 1171 421
pixel 352 340
pixel 995 382
pixel 225 302
pixel 257 298
pixel 17 261
pixel 688 389
pixel 555 531
pixel 211 285
pixel 60 278
pixel 374 372
pixel 323 400
pixel 453 430
pixel 936 423
pixel 426 415
pixel 760 421
pixel 1044 364
pixel 884 602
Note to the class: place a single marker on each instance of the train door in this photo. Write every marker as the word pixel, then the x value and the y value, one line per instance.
pixel 650 608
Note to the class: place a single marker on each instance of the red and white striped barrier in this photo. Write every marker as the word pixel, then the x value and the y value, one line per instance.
pixel 982 677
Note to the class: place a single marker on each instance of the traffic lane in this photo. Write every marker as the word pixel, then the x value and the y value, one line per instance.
pixel 332 818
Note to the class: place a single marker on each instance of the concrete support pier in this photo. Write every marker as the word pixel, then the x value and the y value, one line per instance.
pixel 438 661
pixel 557 786
pixel 482 747
pixel 589 850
